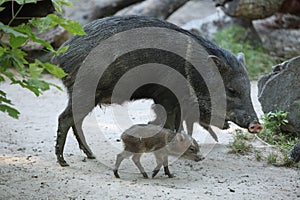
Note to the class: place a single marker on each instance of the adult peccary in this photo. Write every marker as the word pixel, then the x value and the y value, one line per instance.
pixel 162 142
pixel 239 107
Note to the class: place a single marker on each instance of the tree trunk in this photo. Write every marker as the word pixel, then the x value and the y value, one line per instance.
pixel 110 7
pixel 250 9
pixel 161 9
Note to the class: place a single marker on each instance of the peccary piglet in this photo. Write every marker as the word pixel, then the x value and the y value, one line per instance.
pixel 162 142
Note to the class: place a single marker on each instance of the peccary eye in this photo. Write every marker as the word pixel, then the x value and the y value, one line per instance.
pixel 232 92
pixel 192 149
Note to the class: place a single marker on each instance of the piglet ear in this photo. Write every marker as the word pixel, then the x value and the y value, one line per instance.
pixel 241 58
pixel 218 62
pixel 180 137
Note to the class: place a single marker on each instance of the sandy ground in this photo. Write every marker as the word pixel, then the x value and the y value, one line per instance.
pixel 28 168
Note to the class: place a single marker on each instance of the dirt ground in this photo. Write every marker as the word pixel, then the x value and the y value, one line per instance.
pixel 29 170
pixel 28 167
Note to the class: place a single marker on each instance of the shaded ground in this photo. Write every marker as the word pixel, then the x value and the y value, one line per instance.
pixel 29 170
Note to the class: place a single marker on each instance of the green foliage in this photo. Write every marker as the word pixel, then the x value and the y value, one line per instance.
pixel 51 20
pixel 27 72
pixel 273 135
pixel 258 60
pixel 239 144
pixel 19 1
pixel 258 155
pixel 271 159
pixel 242 135
pixel 5 106
pixel 59 3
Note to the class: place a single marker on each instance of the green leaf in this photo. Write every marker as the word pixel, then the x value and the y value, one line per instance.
pixel 54 69
pixel 2 93
pixel 71 26
pixel 10 110
pixel 56 86
pixel 27 30
pixel 51 20
pixel 3 1
pixel 27 85
pixel 35 71
pixel 62 50
pixel 59 3
pixel 2 8
pixel 42 23
pixel 19 56
pixel 6 108
pixel 16 42
pixel 5 100
pixel 39 84
pixel 25 1
pixel 8 74
pixel 2 50
pixel 2 79
pixel 9 30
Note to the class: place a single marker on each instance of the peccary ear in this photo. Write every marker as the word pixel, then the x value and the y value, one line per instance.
pixel 180 137
pixel 219 63
pixel 241 58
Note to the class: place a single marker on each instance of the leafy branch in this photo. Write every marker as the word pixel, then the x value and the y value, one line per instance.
pixel 14 62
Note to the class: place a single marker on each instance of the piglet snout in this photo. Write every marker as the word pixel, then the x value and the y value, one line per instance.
pixel 199 158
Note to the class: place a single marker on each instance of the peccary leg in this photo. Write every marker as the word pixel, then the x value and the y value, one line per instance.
pixel 136 159
pixel 77 129
pixel 189 127
pixel 178 125
pixel 159 161
pixel 211 132
pixel 65 121
pixel 120 158
pixel 171 122
pixel 166 167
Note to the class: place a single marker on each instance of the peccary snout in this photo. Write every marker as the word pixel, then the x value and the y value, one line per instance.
pixel 255 127
pixel 199 158
pixel 193 151
pixel 162 142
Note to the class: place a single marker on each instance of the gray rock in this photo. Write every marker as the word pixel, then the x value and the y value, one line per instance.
pixel 209 25
pixel 280 90
pixel 278 41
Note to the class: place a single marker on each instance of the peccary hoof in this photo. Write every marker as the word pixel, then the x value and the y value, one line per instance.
pixel 167 172
pixel 62 161
pixel 171 175
pixel 116 173
pixel 91 156
pixel 154 173
pixel 145 175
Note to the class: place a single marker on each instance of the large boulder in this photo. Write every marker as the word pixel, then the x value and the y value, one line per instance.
pixel 279 36
pixel 280 90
